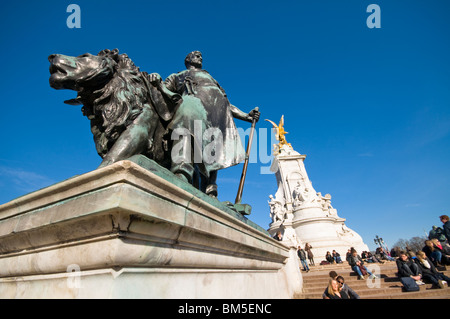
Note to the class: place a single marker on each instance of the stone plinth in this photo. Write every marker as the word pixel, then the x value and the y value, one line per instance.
pixel 133 230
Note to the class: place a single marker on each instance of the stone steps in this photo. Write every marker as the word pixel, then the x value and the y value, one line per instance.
pixel 388 286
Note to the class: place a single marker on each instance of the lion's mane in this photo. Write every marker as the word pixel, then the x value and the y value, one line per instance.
pixel 121 100
pixel 116 104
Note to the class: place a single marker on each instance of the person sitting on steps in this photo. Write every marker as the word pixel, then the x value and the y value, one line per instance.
pixel 335 291
pixel 349 291
pixel 429 272
pixel 340 280
pixel 337 257
pixel 329 258
pixel 408 268
pixel 356 263
pixel 369 258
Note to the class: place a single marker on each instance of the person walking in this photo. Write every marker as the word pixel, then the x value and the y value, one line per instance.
pixel 302 255
pixel 310 254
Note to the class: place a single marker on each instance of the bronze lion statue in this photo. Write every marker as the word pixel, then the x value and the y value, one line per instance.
pixel 128 114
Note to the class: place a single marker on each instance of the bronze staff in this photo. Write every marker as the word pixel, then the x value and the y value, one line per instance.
pixel 247 155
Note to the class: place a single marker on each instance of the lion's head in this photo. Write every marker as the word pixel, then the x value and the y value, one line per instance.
pixel 83 72
pixel 109 86
pixel 118 100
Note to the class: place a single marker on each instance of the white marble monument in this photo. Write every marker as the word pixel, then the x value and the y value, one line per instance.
pixel 302 214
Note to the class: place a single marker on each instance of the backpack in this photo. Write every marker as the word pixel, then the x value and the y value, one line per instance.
pixel 363 270
pixel 409 284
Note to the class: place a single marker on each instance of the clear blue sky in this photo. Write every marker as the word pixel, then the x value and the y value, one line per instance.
pixel 369 107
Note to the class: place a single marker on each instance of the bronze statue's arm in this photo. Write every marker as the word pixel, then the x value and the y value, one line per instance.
pixel 237 113
pixel 169 83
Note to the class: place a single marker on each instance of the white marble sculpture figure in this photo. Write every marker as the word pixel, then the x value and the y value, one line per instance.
pixel 303 195
pixel 277 210
pixel 297 195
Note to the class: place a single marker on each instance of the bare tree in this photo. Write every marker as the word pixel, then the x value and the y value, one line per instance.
pixel 415 243
pixel 401 243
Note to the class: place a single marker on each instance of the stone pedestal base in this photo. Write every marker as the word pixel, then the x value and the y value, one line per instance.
pixel 324 232
pixel 133 230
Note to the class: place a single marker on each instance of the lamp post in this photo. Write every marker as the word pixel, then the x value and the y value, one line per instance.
pixel 380 242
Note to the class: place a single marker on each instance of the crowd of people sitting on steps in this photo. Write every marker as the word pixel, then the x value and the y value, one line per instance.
pixel 416 267
pixel 413 267
pixel 335 258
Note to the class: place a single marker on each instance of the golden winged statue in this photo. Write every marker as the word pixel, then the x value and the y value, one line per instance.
pixel 280 134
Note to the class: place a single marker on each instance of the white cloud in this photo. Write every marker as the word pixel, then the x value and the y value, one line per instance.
pixel 367 154
pixel 412 205
pixel 22 180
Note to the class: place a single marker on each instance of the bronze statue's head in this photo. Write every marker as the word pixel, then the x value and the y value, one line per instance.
pixel 194 59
